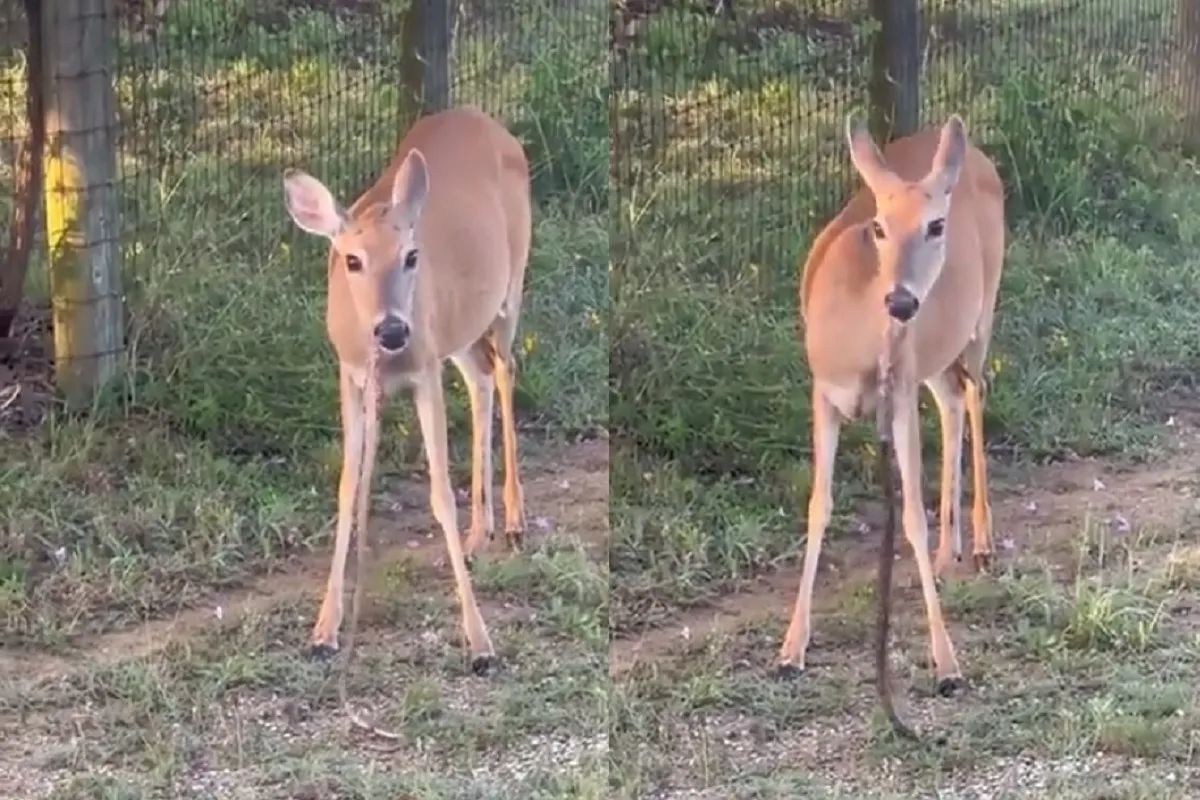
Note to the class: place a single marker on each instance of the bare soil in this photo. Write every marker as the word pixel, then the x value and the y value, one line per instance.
pixel 69 703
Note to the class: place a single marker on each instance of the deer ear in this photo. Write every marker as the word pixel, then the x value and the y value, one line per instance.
pixel 864 155
pixel 311 205
pixel 951 154
pixel 410 187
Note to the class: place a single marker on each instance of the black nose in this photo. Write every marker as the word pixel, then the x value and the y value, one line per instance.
pixel 392 334
pixel 901 304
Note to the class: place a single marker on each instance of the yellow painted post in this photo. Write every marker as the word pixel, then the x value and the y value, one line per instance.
pixel 82 222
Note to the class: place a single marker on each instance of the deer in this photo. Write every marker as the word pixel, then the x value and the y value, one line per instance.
pixel 916 253
pixel 427 266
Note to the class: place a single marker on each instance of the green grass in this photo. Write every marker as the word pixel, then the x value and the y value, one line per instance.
pixel 710 395
pixel 217 456
pixel 729 159
pixel 1091 665
pixel 211 469
pixel 241 705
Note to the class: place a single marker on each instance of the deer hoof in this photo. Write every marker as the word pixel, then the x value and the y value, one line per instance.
pixel 515 540
pixel 323 652
pixel 949 687
pixel 788 672
pixel 484 665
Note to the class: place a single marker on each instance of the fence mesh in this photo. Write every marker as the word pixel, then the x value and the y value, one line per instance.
pixel 729 154
pixel 725 122
pixel 215 99
pixel 229 93
pixel 735 125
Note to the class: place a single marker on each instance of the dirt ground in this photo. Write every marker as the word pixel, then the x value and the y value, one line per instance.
pixel 223 702
pixel 1080 651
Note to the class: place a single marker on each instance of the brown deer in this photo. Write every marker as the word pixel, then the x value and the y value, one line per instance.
pixel 428 265
pixel 919 249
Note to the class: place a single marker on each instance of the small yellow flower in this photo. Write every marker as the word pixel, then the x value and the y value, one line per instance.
pixel 529 343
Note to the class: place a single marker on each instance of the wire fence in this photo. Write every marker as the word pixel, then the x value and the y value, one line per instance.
pixel 729 154
pixel 232 92
pixel 212 100
pixel 735 125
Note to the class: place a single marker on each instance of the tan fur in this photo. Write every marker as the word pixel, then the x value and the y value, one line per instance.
pixel 472 236
pixel 848 273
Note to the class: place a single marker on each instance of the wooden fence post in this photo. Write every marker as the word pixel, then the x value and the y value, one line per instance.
pixel 1187 24
pixel 425 60
pixel 27 187
pixel 82 222
pixel 895 69
pixel 437 17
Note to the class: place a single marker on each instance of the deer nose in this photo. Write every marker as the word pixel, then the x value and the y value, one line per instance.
pixel 901 304
pixel 392 334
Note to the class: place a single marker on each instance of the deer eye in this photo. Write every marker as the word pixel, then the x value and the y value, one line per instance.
pixel 410 260
pixel 877 230
pixel 935 229
pixel 353 263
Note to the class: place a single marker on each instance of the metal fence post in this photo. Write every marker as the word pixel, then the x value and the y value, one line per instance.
pixel 895 69
pixel 80 196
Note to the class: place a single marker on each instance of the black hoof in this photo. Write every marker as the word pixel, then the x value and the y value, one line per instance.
pixel 788 672
pixel 983 562
pixel 515 540
pixel 469 560
pixel 949 687
pixel 485 665
pixel 322 652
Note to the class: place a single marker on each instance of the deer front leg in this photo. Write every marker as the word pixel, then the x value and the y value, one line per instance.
pixel 906 432
pixel 325 632
pixel 431 411
pixel 826 429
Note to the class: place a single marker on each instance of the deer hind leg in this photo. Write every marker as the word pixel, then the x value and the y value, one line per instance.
pixel 971 372
pixel 981 510
pixel 475 366
pixel 503 333
pixel 947 391
pixel 906 431
pixel 826 429
pixel 324 638
pixel 431 411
